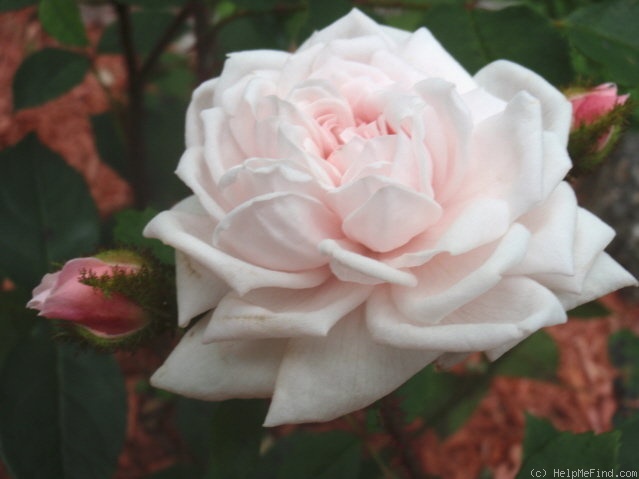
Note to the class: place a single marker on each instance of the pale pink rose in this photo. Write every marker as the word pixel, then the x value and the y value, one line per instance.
pixel 591 105
pixel 363 207
pixel 61 295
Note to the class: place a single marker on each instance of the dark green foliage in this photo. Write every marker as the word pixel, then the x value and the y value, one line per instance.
pixel 47 74
pixel 46 211
pixel 62 413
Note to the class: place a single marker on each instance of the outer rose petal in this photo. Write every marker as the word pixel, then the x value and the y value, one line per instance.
pixel 225 370
pixel 505 79
pixel 281 313
pixel 323 378
pixel 512 310
pixel 199 289
pixel 604 276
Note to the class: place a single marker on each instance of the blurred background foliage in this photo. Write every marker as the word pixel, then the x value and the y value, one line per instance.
pixel 63 411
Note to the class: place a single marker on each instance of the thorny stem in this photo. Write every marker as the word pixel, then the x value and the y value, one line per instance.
pixel 394 425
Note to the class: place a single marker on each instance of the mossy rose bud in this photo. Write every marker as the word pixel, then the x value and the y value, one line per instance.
pixel 65 295
pixel 597 117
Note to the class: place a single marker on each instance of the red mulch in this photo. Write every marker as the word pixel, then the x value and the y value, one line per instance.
pixel 583 400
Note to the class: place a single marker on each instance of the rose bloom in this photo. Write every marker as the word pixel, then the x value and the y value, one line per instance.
pixel 61 295
pixel 364 207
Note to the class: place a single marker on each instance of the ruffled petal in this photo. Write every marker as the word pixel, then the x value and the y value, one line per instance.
pixel 505 79
pixel 191 234
pixel 604 276
pixel 199 290
pixel 219 371
pixel 281 313
pixel 324 378
pixel 447 282
pixel 285 231
pixel 507 154
pixel 552 226
pixel 591 237
pixel 512 310
pixel 202 99
pixel 391 217
pixel 348 264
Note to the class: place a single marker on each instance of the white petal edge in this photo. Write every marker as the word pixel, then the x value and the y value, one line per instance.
pixel 323 378
pixel 512 310
pixel 605 276
pixel 505 79
pixel 219 371
pixel 282 313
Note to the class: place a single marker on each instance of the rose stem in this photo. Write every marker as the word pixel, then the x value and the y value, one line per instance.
pixel 394 425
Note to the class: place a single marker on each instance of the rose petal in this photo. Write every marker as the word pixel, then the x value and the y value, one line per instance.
pixel 277 312
pixel 199 289
pixel 448 126
pixel 218 371
pixel 240 66
pixel 323 378
pixel 390 218
pixel 507 151
pixel 260 176
pixel 202 99
pixel 354 24
pixel 193 171
pixel 447 282
pixel 348 264
pixel 424 52
pixel 604 276
pixel 191 234
pixel 552 226
pixel 286 229
pixel 591 236
pixel 462 228
pixel 505 79
pixel 512 310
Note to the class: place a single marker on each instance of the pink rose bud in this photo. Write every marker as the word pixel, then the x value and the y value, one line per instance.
pixel 597 117
pixel 588 106
pixel 63 295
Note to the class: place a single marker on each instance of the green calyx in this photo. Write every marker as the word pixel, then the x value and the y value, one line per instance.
pixel 590 144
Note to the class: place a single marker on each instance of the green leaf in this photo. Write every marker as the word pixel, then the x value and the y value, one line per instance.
pixel 163 131
pixel 628 457
pixel 195 422
pixel 329 455
pixel 442 399
pixel 623 347
pixel 236 437
pixel 516 33
pixel 537 357
pixel 147 28
pixel 8 5
pixel 61 19
pixel 128 231
pixel 15 320
pixel 46 75
pixel 546 449
pixel 46 211
pixel 62 413
pixel 593 309
pixel 606 32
